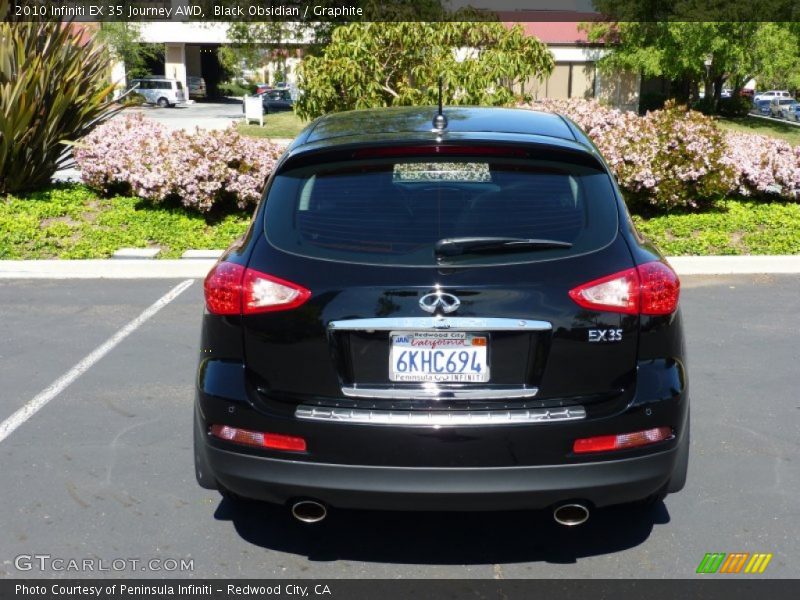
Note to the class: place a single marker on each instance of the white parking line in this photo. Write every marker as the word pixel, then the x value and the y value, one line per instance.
pixel 36 403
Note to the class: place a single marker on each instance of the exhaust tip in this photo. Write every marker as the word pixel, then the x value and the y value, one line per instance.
pixel 571 515
pixel 309 511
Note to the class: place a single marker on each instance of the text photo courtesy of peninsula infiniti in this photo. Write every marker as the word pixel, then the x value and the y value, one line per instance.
pixel 442 311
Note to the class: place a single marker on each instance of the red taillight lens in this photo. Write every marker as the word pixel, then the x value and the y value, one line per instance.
pixel 660 288
pixel 649 289
pixel 223 289
pixel 230 289
pixel 275 441
pixel 622 441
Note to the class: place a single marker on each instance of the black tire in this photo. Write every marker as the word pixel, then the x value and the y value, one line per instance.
pixel 678 479
pixel 202 470
pixel 163 102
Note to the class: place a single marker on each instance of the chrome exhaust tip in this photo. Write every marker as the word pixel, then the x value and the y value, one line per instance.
pixel 571 515
pixel 309 511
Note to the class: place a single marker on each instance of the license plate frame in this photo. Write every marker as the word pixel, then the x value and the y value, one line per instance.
pixel 440 350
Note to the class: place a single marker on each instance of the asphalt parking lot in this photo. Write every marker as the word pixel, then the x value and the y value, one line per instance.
pixel 104 470
pixel 206 115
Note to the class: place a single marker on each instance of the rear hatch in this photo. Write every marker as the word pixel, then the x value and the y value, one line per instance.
pixel 440 278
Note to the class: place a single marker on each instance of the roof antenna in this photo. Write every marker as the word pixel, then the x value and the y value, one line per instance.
pixel 440 121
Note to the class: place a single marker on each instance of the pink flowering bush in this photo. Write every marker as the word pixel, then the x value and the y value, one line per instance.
pixel 764 165
pixel 201 169
pixel 668 158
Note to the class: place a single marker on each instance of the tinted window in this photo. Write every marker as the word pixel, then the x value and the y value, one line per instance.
pixel 393 211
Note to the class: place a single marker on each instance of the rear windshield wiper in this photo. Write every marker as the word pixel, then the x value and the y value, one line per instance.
pixel 473 245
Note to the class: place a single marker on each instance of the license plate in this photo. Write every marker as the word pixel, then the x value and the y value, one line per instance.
pixel 439 356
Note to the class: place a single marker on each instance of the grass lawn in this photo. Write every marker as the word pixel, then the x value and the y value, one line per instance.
pixel 777 129
pixel 729 227
pixel 277 125
pixel 71 221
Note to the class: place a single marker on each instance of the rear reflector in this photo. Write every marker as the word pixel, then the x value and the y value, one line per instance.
pixel 649 289
pixel 275 441
pixel 622 441
pixel 230 289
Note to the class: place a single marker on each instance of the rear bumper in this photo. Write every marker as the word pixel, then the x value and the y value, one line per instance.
pixel 494 467
pixel 421 488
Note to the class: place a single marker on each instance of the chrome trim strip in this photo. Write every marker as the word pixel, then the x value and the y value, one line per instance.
pixel 434 392
pixel 423 418
pixel 425 323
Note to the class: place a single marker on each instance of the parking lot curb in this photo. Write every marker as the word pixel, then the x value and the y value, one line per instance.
pixel 735 265
pixel 105 269
pixel 198 267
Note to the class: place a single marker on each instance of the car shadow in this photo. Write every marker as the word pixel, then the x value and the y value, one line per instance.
pixel 443 538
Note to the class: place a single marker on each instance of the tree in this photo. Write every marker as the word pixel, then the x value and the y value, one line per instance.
pixel 53 90
pixel 250 36
pixel 716 54
pixel 392 64
pixel 124 40
pixel 776 60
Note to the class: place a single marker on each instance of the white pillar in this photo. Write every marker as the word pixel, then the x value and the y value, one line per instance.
pixel 175 63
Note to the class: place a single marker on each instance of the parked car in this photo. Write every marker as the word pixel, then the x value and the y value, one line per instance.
pixel 761 107
pixel 277 101
pixel 434 316
pixel 262 88
pixel 791 111
pixel 197 87
pixel 160 90
pixel 769 95
pixel 776 106
pixel 747 93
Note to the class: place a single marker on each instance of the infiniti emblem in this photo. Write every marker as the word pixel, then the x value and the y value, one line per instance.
pixel 443 301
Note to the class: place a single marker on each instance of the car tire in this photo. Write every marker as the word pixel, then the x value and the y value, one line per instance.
pixel 163 102
pixel 202 470
pixel 678 479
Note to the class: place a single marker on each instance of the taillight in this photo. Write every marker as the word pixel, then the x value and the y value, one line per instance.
pixel 263 293
pixel 230 289
pixel 275 441
pixel 616 293
pixel 622 441
pixel 223 289
pixel 649 289
pixel 660 288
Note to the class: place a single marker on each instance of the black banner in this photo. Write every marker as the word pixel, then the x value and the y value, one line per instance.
pixel 400 10
pixel 743 588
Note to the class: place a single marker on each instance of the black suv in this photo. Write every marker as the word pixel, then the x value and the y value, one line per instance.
pixel 448 313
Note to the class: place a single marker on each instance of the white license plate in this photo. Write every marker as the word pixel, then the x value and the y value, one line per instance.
pixel 439 356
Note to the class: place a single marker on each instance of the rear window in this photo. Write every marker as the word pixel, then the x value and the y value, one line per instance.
pixel 394 211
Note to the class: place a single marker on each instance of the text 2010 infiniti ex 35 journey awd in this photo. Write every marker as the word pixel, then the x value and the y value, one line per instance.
pixel 442 312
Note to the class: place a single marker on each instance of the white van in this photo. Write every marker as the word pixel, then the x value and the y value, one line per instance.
pixel 160 90
pixel 770 94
